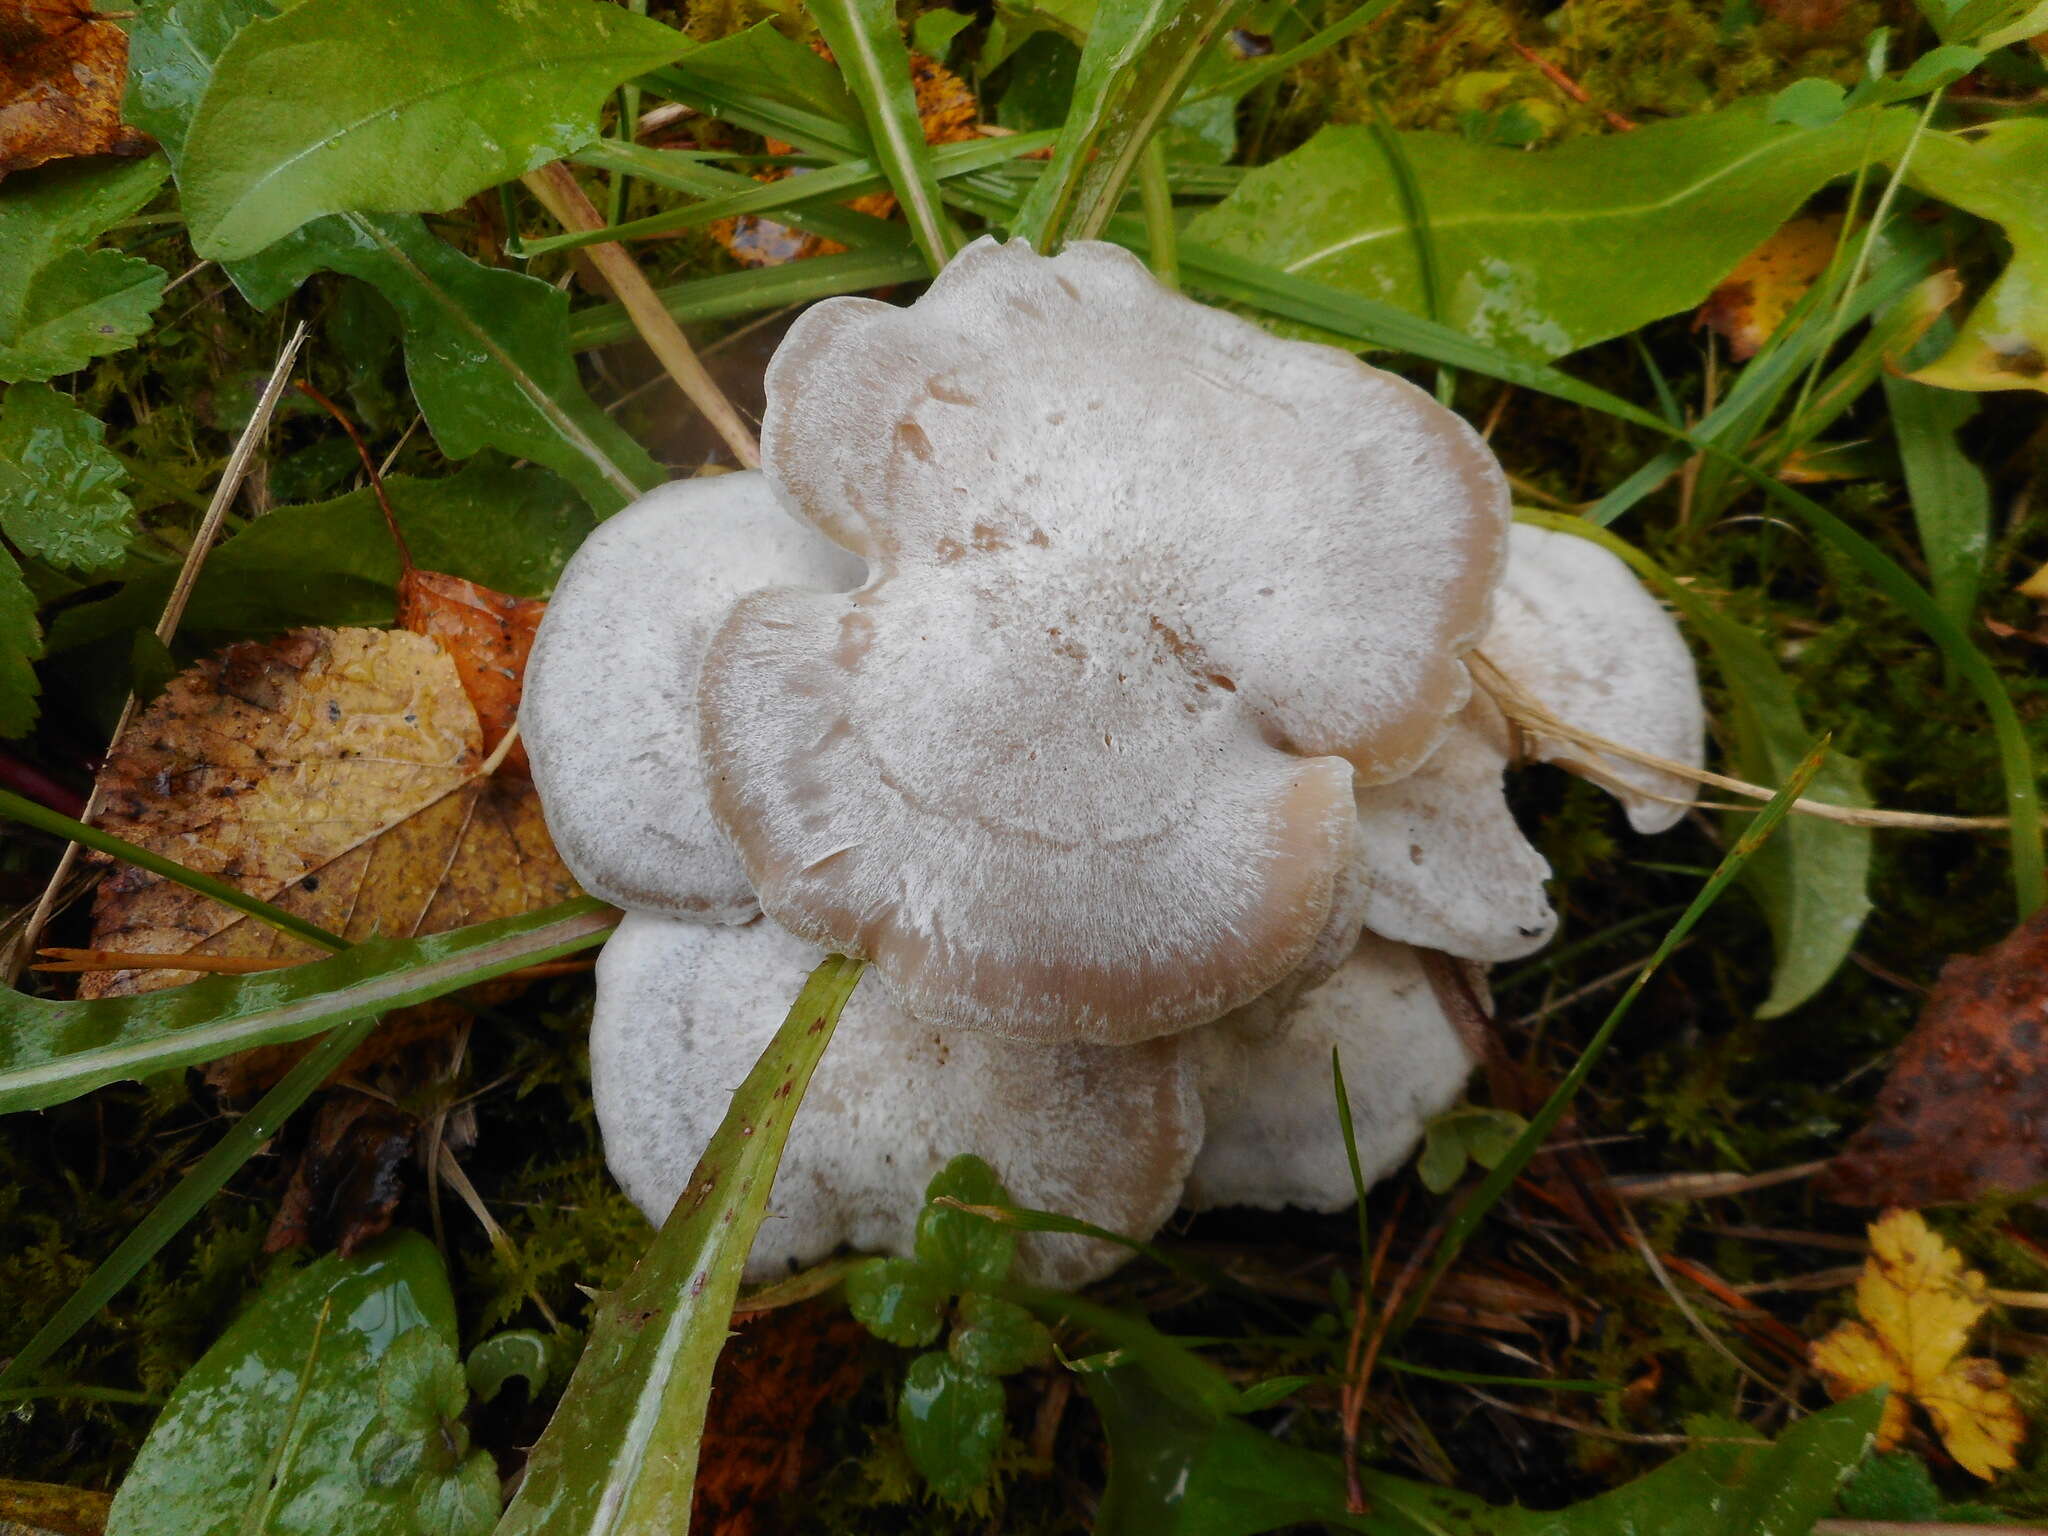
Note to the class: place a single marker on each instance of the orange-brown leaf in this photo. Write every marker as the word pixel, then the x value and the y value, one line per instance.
pixel 62 74
pixel 489 635
pixel 1958 1116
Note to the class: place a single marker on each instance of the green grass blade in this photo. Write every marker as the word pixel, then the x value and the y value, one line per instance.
pixel 1468 1217
pixel 619 1457
pixel 745 293
pixel 864 37
pixel 724 194
pixel 1251 75
pixel 781 199
pixel 15 808
pixel 1136 62
pixel 1951 498
pixel 170 1214
pixel 54 1051
pixel 1813 879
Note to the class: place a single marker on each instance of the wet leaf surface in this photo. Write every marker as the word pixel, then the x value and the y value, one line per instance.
pixel 263 1432
pixel 1960 1112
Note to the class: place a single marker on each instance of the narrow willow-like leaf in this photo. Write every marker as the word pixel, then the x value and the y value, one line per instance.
pixel 1951 498
pixel 619 1457
pixel 864 37
pixel 1466 1219
pixel 1137 61
pixel 52 1051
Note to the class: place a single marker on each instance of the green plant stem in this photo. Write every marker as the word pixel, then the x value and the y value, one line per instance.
pixel 15 808
pixel 170 1214
pixel 1157 197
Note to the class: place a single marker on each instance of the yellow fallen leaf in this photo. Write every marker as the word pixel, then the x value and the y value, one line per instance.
pixel 336 773
pixel 1752 301
pixel 1918 1304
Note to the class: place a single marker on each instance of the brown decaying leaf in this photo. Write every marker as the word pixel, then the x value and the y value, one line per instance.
pixel 1752 301
pixel 489 636
pixel 949 113
pixel 349 1179
pixel 333 773
pixel 779 1369
pixel 62 73
pixel 1965 1109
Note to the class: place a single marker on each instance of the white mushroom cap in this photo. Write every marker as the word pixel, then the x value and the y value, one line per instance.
pixel 1105 1133
pixel 1149 584
pixel 609 715
pixel 1576 632
pixel 1450 868
pixel 1274 1138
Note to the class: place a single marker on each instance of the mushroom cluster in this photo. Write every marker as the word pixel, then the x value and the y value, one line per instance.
pixel 1099 667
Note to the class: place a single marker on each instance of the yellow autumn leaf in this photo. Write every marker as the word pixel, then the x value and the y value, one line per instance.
pixel 1918 1304
pixel 1753 300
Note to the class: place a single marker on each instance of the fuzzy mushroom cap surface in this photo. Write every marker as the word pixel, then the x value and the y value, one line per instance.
pixel 1274 1138
pixel 1574 630
pixel 1105 1133
pixel 1576 633
pixel 610 710
pixel 1148 588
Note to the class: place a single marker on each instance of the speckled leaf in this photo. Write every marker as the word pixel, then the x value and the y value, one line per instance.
pixel 261 1434
pixel 1546 252
pixel 2002 174
pixel 61 306
pixel 60 490
pixel 417 108
pixel 619 1458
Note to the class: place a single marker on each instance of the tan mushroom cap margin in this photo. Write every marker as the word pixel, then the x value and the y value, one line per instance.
pixel 1105 1133
pixel 1148 589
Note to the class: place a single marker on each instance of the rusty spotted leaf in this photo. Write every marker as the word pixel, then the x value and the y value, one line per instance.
pixel 488 635
pixel 62 74
pixel 1962 1111
pixel 1917 1305
pixel 1752 301
pixel 332 772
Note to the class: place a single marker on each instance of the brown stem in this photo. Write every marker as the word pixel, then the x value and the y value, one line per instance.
pixel 560 194
pixel 405 559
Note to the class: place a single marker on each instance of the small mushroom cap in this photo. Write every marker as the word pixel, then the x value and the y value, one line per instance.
pixel 1575 630
pixel 684 1009
pixel 1274 1138
pixel 1148 585
pixel 610 710
pixel 1450 868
